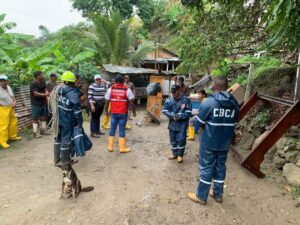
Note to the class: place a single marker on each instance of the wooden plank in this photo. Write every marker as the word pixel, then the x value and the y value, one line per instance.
pixel 248 105
pixel 154 103
pixel 238 92
pixel 255 158
pixel 157 79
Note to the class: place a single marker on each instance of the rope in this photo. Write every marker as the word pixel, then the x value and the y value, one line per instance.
pixel 53 108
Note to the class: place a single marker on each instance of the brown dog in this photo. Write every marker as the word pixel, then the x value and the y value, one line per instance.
pixel 71 185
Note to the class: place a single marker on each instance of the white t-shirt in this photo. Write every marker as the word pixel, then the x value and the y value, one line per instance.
pixel 129 94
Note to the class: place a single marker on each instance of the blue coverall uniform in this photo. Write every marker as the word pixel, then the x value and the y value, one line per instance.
pixel 70 116
pixel 182 108
pixel 218 115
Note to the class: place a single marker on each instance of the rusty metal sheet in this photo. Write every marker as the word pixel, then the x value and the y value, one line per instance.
pixel 23 106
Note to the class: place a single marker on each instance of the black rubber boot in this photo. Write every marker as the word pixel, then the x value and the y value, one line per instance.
pixel 57 152
pixel 65 153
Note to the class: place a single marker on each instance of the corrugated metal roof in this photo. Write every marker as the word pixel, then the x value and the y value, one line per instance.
pixel 128 70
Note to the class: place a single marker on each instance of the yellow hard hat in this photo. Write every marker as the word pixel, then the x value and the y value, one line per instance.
pixel 68 76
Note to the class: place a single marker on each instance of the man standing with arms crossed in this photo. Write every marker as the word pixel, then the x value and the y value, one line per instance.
pixel 218 115
pixel 96 94
pixel 118 95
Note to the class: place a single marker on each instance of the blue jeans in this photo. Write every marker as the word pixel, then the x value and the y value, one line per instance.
pixel 212 166
pixel 116 119
pixel 178 141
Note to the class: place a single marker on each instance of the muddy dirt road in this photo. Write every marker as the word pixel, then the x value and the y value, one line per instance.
pixel 141 187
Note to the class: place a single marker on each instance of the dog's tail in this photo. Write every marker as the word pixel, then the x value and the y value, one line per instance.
pixel 87 189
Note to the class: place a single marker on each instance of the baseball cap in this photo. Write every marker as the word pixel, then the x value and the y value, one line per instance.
pixel 3 77
pixel 97 76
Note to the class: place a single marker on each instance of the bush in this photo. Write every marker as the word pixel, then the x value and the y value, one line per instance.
pixel 241 79
pixel 263 118
pixel 87 71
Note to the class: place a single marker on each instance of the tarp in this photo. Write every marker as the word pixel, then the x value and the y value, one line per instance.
pixel 153 88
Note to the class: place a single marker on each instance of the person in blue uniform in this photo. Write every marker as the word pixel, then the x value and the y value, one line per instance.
pixel 178 109
pixel 70 116
pixel 218 115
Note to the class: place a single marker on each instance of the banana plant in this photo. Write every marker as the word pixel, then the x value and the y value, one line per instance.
pixel 5 26
pixel 20 56
pixel 7 47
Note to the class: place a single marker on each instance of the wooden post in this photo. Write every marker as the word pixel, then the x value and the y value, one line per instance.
pixel 247 93
pixel 297 84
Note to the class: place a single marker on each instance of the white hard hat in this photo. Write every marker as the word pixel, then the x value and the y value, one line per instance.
pixel 3 77
pixel 97 76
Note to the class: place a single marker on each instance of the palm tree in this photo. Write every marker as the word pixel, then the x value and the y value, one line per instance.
pixel 113 41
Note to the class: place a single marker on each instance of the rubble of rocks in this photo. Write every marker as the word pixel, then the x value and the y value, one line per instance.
pixel 284 155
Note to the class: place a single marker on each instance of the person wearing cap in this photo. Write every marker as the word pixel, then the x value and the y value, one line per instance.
pixel 38 95
pixel 178 109
pixel 8 117
pixel 118 95
pixel 130 85
pixel 96 97
pixel 69 116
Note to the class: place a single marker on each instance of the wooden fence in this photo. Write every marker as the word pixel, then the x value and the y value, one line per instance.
pixel 23 107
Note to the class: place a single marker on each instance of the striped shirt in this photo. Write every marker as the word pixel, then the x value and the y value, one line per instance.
pixel 96 92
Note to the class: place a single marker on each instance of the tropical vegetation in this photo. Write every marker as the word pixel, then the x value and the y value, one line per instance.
pixel 210 36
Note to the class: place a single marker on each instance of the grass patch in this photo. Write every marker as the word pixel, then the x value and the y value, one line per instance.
pixel 26 133
pixel 295 191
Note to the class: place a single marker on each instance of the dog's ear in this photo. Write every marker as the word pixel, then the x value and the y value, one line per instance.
pixel 58 165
